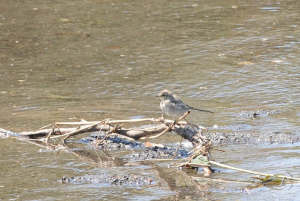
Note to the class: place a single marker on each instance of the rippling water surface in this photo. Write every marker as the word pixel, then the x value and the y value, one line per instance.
pixel 108 59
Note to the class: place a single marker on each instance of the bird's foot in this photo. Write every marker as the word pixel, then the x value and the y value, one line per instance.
pixel 162 118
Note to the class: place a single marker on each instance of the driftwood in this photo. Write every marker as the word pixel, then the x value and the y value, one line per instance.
pixel 186 130
pixel 198 158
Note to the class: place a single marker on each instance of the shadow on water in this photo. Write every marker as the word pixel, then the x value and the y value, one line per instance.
pixel 68 60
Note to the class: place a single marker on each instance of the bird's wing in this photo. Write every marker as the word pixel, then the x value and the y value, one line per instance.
pixel 177 103
pixel 181 105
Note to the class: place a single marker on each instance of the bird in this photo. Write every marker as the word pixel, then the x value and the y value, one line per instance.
pixel 173 106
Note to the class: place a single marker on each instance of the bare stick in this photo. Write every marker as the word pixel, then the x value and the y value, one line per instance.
pixel 106 136
pixel 118 121
pixel 195 165
pixel 48 136
pixel 252 172
pixel 99 133
pixel 190 158
pixel 162 133
pixel 183 116
pixel 169 128
pixel 46 126
pixel 109 121
pixel 203 128
pixel 123 136
pixel 73 132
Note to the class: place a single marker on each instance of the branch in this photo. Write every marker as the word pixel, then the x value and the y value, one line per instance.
pixel 252 172
pixel 120 121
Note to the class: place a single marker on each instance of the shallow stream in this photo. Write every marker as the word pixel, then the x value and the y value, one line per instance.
pixel 66 60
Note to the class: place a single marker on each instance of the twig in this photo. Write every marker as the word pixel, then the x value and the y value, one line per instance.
pixel 73 132
pixel 162 133
pixel 203 128
pixel 46 126
pixel 189 159
pixel 218 149
pixel 110 133
pixel 100 132
pixel 248 191
pixel 252 172
pixel 123 136
pixel 202 149
pixel 173 124
pixel 195 165
pixel 118 121
pixel 50 133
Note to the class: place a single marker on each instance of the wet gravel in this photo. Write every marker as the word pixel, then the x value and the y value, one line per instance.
pixel 220 138
pixel 112 143
pixel 158 153
pixel 257 113
pixel 104 178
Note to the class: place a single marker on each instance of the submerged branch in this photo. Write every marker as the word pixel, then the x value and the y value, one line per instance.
pixel 253 172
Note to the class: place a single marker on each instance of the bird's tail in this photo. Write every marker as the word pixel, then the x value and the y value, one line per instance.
pixel 201 110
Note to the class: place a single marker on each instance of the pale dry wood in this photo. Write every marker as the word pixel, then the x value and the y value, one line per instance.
pixel 124 137
pixel 196 165
pixel 73 132
pixel 173 124
pixel 107 135
pixel 105 123
pixel 132 133
pixel 48 136
pixel 162 133
pixel 181 128
pixel 46 126
pixel 252 172
pixel 127 121
pixel 109 122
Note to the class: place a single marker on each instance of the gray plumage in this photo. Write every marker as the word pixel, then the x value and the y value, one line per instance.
pixel 173 106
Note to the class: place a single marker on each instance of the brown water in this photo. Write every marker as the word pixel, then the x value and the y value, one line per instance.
pixel 108 59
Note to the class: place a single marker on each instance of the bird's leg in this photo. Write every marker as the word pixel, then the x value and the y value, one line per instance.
pixel 162 118
pixel 176 120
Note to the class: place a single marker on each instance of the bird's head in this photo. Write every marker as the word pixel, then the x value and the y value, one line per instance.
pixel 165 95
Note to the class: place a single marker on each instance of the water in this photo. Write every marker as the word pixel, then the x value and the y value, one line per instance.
pixel 107 59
